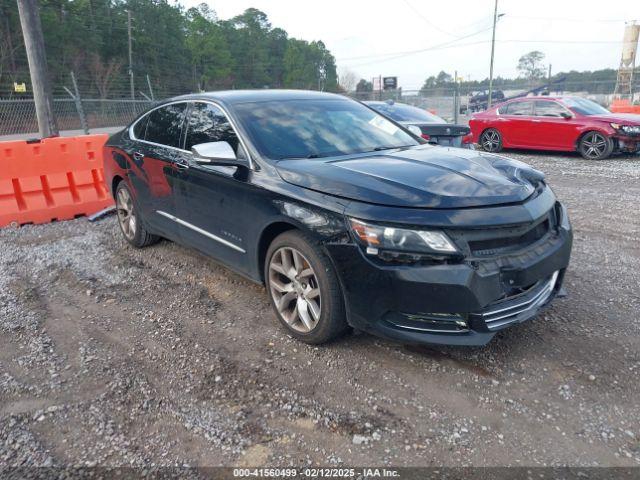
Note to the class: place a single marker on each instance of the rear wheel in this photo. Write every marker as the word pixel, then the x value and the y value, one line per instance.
pixel 131 227
pixel 491 140
pixel 304 290
pixel 595 146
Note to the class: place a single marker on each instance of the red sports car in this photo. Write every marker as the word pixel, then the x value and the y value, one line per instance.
pixel 556 123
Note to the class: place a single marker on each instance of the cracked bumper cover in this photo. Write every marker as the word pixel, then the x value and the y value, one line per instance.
pixel 396 301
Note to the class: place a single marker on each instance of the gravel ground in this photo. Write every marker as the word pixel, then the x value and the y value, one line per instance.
pixel 115 356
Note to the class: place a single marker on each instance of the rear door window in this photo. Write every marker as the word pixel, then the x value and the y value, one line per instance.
pixel 547 108
pixel 164 126
pixel 520 108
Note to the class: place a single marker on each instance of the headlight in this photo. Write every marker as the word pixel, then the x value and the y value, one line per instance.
pixel 391 243
pixel 630 129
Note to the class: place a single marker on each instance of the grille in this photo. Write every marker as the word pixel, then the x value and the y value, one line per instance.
pixel 500 241
pixel 499 245
pixel 519 307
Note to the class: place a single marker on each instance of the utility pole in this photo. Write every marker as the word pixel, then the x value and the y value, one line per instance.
pixel 29 11
pixel 493 47
pixel 150 89
pixel 456 97
pixel 133 92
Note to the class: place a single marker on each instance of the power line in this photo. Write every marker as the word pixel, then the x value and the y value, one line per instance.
pixel 479 42
pixel 567 19
pixel 401 54
pixel 427 21
pixel 412 52
pixel 579 42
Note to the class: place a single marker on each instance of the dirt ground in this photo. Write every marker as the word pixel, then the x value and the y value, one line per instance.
pixel 116 356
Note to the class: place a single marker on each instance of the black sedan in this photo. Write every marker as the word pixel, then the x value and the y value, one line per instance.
pixel 432 128
pixel 345 216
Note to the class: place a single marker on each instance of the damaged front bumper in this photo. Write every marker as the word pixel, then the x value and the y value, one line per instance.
pixel 463 303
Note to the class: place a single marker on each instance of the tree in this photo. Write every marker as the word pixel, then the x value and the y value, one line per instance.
pixel 348 80
pixel 429 83
pixel 326 66
pixel 364 86
pixel 443 78
pixel 278 41
pixel 248 38
pixel 103 73
pixel 530 65
pixel 210 55
pixel 181 50
pixel 309 65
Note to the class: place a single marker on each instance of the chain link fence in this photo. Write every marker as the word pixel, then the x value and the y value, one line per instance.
pixel 17 116
pixel 445 101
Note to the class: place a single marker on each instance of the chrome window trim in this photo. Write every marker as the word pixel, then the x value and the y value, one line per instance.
pixel 133 137
pixel 212 102
pixel 201 231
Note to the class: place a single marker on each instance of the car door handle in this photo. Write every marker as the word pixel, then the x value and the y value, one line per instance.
pixel 181 164
pixel 535 120
pixel 138 156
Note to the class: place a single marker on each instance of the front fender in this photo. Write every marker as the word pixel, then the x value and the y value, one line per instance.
pixel 604 130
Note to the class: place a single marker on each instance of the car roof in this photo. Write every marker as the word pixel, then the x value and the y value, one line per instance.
pixel 541 97
pixel 231 97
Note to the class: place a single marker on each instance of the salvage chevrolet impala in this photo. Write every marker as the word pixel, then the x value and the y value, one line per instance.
pixel 346 217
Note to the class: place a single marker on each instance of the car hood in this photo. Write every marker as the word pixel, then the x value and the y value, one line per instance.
pixel 625 118
pixel 422 176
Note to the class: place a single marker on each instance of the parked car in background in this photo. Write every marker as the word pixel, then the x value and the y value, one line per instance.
pixel 557 123
pixel 478 101
pixel 346 218
pixel 433 128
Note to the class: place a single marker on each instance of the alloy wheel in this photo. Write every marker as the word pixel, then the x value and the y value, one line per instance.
pixel 491 140
pixel 126 215
pixel 594 145
pixel 295 289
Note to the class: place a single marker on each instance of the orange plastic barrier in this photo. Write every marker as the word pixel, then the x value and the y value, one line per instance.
pixel 624 106
pixel 55 179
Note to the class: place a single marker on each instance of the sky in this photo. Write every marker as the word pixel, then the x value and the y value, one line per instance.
pixel 414 39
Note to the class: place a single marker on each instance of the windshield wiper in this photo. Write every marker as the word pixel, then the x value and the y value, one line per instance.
pixel 384 147
pixel 296 157
pixel 389 147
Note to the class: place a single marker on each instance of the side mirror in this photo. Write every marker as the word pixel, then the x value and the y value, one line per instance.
pixel 566 115
pixel 415 130
pixel 216 153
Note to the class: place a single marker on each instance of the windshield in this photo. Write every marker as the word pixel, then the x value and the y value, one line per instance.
pixel 584 106
pixel 406 113
pixel 318 128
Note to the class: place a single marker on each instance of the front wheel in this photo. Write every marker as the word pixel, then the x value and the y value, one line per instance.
pixel 304 290
pixel 131 227
pixel 595 146
pixel 491 140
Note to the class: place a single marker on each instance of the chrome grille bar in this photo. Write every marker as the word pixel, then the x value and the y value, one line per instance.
pixel 500 317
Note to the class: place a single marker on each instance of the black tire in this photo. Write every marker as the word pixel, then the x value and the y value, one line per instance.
pixel 332 318
pixel 138 236
pixel 491 140
pixel 595 146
